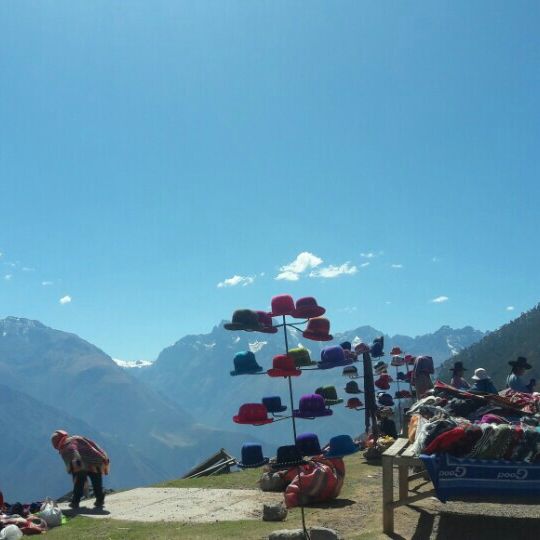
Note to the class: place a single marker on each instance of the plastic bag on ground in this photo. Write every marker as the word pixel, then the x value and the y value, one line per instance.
pixel 50 513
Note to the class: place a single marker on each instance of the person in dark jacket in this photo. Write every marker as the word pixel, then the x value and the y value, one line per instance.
pixel 482 382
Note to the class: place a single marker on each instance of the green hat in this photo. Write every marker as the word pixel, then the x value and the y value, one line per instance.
pixel 329 394
pixel 301 357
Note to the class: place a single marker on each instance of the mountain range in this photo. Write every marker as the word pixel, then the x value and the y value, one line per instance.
pixel 162 418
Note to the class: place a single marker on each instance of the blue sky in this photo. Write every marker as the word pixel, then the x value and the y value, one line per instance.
pixel 152 150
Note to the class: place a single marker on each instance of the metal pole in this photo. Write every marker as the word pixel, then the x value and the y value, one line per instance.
pixel 302 513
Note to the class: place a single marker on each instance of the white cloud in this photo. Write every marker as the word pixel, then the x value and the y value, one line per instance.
pixel 65 299
pixel 435 259
pixel 349 309
pixel 510 308
pixel 332 271
pixel 28 269
pixel 8 277
pixel 363 265
pixel 388 302
pixel 46 283
pixel 288 276
pixel 368 255
pixel 397 266
pixel 304 261
pixel 439 300
pixel 236 280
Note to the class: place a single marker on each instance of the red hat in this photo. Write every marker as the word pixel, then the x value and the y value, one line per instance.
pixel 265 320
pixel 383 382
pixel 283 366
pixel 307 308
pixel 318 329
pixel 354 403
pixel 361 348
pixel 252 413
pixel 396 351
pixel 282 304
pixel 57 436
pixel 410 359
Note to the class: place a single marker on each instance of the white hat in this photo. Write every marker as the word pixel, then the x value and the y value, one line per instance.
pixel 480 374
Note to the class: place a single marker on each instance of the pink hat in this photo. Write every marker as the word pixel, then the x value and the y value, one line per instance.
pixel 283 366
pixel 307 308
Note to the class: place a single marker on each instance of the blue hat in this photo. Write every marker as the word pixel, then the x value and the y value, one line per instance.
pixel 377 347
pixel 308 444
pixel 245 364
pixel 273 404
pixel 332 357
pixel 341 445
pixel 252 456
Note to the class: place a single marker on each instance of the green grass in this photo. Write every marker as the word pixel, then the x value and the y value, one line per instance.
pixel 359 521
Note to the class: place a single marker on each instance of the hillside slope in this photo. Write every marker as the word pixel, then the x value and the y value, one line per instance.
pixel 520 337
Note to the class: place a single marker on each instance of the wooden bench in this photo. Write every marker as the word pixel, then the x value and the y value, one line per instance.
pixel 400 455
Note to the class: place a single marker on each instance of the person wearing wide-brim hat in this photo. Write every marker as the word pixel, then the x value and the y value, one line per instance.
pixel 482 382
pixel 457 376
pixel 516 380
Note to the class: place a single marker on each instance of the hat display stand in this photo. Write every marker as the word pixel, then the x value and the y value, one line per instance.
pixel 275 417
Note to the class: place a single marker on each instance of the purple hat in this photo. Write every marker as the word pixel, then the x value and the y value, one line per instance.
pixel 332 357
pixel 307 308
pixel 308 444
pixel 311 406
pixel 265 320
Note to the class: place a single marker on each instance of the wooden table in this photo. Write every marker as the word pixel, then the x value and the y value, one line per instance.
pixel 400 456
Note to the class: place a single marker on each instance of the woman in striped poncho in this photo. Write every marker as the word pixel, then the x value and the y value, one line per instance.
pixel 84 459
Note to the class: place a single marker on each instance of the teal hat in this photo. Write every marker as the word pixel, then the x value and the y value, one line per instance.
pixel 245 364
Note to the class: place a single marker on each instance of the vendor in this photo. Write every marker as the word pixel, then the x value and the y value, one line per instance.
pixel 482 382
pixel 457 377
pixel 516 380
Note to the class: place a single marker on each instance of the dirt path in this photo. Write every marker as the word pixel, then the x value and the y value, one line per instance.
pixel 186 505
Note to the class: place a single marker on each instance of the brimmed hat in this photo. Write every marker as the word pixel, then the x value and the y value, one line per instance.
pixel 308 444
pixel 265 322
pixel 346 345
pixel 384 398
pixel 307 308
pixel 352 388
pixel 410 359
pixel 273 404
pixel 520 362
pixel 57 437
pixel 351 372
pixel 354 403
pixel 301 357
pixel 283 366
pixel 282 304
pixel 340 446
pixel 380 366
pixel 244 319
pixel 252 413
pixel 402 394
pixel 385 412
pixel 397 361
pixel 383 382
pixel 401 376
pixel 311 406
pixel 361 348
pixel 329 394
pixel 318 329
pixel 396 351
pixel 377 347
pixel 458 366
pixel 252 456
pixel 245 364
pixel 333 356
pixel 287 456
pixel 480 374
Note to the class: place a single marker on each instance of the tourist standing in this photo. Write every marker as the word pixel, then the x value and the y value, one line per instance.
pixel 458 371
